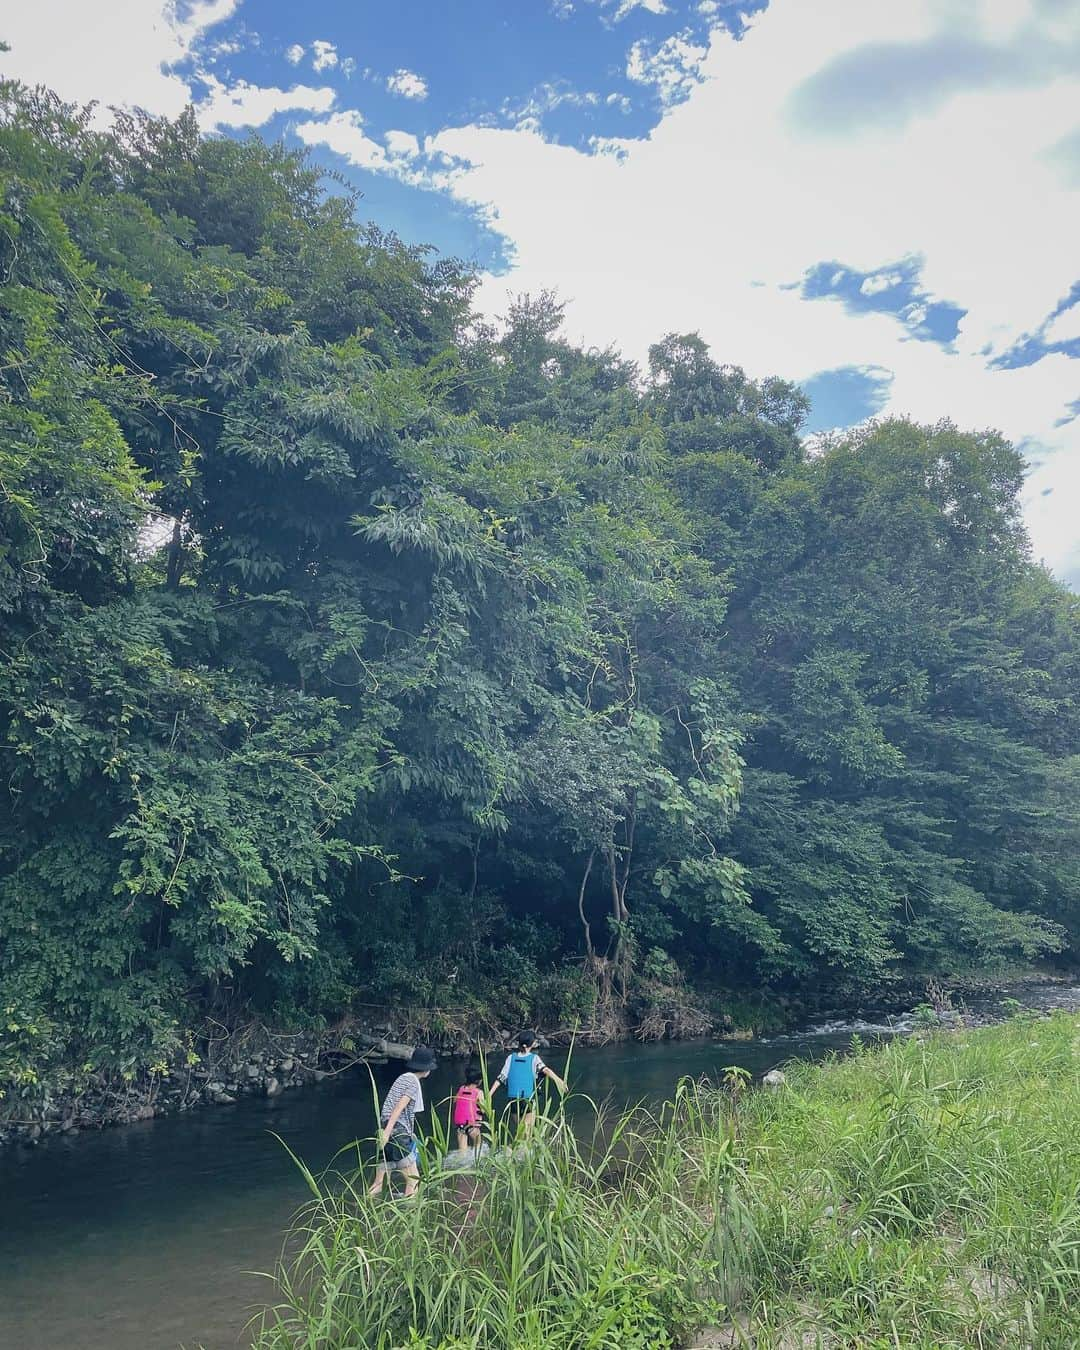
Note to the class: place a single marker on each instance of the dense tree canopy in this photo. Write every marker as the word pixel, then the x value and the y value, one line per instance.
pixel 355 651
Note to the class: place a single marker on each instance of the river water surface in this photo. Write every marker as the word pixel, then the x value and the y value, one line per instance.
pixel 144 1237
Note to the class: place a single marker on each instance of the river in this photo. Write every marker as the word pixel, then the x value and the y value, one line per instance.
pixel 144 1237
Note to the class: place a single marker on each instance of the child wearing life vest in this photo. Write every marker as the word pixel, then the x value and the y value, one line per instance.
pixel 468 1113
pixel 520 1075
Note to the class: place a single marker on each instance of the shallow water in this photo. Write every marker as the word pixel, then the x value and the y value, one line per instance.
pixel 144 1237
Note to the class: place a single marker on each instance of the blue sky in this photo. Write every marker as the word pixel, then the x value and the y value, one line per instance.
pixel 491 63
pixel 878 200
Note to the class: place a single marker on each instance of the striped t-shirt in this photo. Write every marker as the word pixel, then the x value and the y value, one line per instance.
pixel 406 1085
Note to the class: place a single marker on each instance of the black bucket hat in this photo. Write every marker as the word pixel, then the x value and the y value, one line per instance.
pixel 527 1037
pixel 422 1060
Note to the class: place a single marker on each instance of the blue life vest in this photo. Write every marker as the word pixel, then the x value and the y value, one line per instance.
pixel 521 1080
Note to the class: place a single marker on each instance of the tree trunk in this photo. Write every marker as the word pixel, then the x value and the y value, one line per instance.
pixel 175 564
pixel 581 908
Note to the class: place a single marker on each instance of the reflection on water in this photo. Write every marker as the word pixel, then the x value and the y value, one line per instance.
pixel 143 1238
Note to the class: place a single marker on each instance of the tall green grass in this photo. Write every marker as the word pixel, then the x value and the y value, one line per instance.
pixel 926 1194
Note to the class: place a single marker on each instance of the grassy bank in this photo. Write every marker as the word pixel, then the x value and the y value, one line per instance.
pixel 922 1195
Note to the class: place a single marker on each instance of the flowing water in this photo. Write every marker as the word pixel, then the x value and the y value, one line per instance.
pixel 145 1237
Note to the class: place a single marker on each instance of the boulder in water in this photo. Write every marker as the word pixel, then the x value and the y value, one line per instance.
pixel 775 1078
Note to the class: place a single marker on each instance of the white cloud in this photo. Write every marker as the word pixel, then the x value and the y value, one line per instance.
pixel 344 134
pixel 220 49
pixel 408 84
pixel 248 105
pixel 398 152
pixel 402 143
pixel 119 53
pixel 668 232
pixel 882 281
pixel 202 14
pixel 126 52
pixel 653 7
pixel 622 9
pixel 323 55
pixel 1051 493
pixel 294 54
pixel 672 68
pixel 546 97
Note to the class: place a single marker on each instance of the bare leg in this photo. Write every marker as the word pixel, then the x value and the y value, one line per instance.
pixel 380 1178
pixel 411 1173
pixel 463 1140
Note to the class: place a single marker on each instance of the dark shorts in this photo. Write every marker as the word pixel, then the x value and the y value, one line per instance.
pixel 517 1108
pixel 399 1151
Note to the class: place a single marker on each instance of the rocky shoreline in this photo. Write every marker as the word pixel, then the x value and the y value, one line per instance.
pixel 254 1060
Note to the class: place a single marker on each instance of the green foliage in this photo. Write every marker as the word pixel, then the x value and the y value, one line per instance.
pixel 923 1194
pixel 353 650
pixel 618 1236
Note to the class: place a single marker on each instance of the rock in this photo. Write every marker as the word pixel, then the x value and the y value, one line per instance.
pixel 393 1049
pixel 144 1112
pixel 286 1064
pixel 273 1087
pixel 774 1079
pixel 253 1071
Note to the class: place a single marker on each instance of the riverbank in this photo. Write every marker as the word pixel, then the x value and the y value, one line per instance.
pixel 218 1065
pixel 922 1194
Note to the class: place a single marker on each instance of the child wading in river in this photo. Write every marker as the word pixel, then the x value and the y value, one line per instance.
pixel 468 1110
pixel 399 1151
pixel 520 1075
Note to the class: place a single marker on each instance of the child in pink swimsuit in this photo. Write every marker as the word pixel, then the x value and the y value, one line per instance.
pixel 468 1114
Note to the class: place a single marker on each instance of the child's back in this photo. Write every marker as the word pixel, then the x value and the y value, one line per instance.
pixel 467 1105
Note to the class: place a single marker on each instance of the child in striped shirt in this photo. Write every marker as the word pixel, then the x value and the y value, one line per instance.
pixel 399 1151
